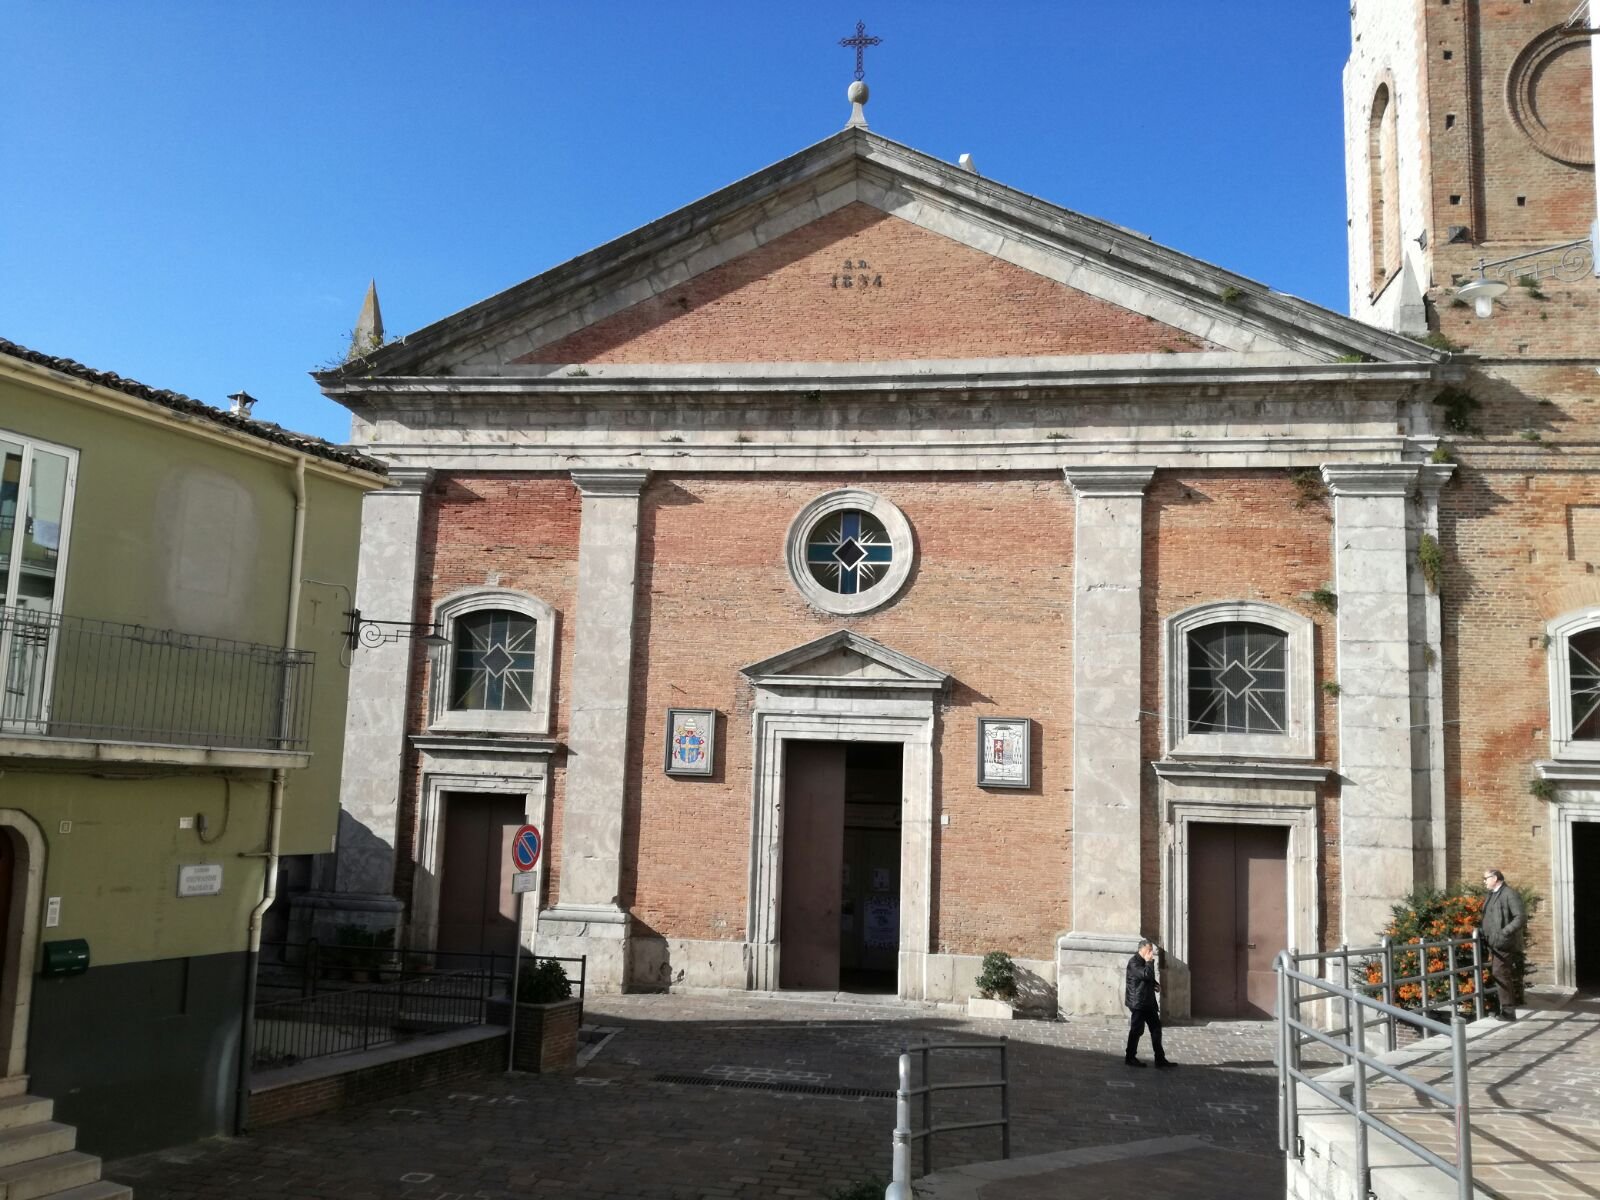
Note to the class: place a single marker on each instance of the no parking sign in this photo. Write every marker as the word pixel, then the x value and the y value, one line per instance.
pixel 525 848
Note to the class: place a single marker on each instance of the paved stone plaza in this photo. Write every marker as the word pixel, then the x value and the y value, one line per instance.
pixel 613 1130
pixel 1535 1103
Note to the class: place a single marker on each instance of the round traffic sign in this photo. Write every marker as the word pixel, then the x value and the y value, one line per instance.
pixel 525 847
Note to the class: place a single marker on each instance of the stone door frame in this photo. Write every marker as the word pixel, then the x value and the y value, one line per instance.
pixel 1191 794
pixel 1567 809
pixel 483 766
pixel 21 936
pixel 855 722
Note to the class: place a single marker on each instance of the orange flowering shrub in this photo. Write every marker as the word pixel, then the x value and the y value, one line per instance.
pixel 1431 915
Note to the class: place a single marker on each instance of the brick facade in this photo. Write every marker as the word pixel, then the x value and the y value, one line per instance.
pixel 729 451
pixel 924 296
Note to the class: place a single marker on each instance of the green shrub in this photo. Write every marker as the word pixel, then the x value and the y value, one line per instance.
pixel 542 981
pixel 998 979
pixel 1429 914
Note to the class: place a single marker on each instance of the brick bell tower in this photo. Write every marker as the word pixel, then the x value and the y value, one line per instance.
pixel 1469 136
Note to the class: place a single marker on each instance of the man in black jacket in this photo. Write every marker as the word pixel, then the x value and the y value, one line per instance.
pixel 1141 1002
pixel 1503 923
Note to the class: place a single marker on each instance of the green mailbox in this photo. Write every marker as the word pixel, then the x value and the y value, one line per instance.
pixel 69 957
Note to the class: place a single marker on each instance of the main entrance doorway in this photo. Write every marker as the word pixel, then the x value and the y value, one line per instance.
pixel 1238 917
pixel 477 912
pixel 839 909
pixel 1585 878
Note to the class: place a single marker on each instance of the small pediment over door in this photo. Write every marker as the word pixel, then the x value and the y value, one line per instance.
pixel 846 660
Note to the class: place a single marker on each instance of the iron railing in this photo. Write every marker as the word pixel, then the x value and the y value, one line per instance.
pixel 1297 989
pixel 340 1021
pixel 905 1134
pixel 398 994
pixel 79 678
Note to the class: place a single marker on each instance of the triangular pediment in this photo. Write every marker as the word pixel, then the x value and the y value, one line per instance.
pixel 943 265
pixel 845 659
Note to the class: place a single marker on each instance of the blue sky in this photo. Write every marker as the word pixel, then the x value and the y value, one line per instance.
pixel 197 193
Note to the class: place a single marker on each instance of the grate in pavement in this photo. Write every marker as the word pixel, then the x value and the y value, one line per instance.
pixel 771 1085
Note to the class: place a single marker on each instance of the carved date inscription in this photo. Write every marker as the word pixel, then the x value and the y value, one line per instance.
pixel 857 274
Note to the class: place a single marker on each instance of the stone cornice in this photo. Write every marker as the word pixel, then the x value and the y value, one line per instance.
pixel 1370 479
pixel 1569 772
pixel 485 747
pixel 1154 376
pixel 866 458
pixel 624 483
pixel 1434 476
pixel 408 480
pixel 1188 770
pixel 1109 481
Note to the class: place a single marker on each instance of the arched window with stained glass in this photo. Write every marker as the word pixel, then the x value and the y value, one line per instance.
pixel 495 677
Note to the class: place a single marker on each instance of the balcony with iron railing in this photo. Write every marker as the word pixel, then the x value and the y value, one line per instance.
pixel 79 688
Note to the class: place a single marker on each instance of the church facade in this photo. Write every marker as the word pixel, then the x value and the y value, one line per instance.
pixel 871 566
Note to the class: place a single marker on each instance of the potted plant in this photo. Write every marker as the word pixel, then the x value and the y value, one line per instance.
pixel 546 1037
pixel 997 988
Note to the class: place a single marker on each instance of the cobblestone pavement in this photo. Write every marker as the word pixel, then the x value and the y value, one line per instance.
pixel 1535 1104
pixel 615 1130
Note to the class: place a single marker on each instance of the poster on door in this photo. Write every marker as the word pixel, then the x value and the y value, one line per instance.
pixel 881 930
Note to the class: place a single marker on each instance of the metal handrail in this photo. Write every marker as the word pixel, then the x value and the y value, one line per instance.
pixel 1350 1042
pixel 905 1135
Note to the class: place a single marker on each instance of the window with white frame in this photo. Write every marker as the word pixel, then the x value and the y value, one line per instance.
pixel 495 675
pixel 1239 682
pixel 1574 656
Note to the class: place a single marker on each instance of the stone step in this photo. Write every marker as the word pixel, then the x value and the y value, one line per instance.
pixel 16 1111
pixel 39 1178
pixel 13 1085
pixel 35 1141
pixel 103 1190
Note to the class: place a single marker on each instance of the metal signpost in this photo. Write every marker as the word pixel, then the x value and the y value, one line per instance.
pixel 525 848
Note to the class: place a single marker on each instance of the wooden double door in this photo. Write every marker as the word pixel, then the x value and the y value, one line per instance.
pixel 1238 917
pixel 477 912
pixel 839 907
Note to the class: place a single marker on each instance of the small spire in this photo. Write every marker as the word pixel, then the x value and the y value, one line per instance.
pixel 968 165
pixel 242 403
pixel 368 333
pixel 857 95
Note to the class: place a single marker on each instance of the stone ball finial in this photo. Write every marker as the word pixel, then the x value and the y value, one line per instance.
pixel 857 92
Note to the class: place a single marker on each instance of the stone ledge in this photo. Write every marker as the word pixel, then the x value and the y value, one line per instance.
pixel 149 753
pixel 326 1084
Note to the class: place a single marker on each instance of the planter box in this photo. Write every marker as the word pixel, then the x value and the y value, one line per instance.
pixel 993 1010
pixel 546 1036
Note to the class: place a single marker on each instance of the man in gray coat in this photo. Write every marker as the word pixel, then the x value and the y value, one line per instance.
pixel 1502 926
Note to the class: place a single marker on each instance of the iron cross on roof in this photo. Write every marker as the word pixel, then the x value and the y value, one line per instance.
pixel 861 41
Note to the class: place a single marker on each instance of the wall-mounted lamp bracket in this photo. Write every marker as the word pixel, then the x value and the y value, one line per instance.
pixel 371 632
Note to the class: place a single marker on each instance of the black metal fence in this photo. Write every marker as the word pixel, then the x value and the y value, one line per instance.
pixel 337 999
pixel 75 677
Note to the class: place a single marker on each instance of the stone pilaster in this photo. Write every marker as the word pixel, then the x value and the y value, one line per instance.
pixel 589 918
pixel 1427 688
pixel 1379 806
pixel 1108 558
pixel 375 717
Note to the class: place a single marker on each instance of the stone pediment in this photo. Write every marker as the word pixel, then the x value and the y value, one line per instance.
pixel 943 265
pixel 846 660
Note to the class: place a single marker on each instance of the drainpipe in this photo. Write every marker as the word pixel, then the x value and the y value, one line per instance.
pixel 280 784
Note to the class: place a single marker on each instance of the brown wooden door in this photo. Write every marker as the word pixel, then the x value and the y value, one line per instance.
pixel 813 855
pixel 477 912
pixel 1238 917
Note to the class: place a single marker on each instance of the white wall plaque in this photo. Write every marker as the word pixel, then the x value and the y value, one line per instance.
pixel 524 881
pixel 201 879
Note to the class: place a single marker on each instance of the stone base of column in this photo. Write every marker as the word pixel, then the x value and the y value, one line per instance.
pixel 319 915
pixel 598 932
pixel 1092 973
